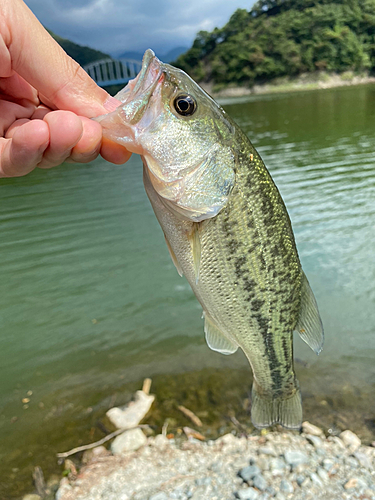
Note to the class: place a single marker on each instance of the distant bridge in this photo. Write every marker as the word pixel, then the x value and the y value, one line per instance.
pixel 113 72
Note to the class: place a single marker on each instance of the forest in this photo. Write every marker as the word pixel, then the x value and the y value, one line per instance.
pixel 279 38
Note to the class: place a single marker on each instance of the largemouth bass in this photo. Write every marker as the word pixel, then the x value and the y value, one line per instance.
pixel 226 228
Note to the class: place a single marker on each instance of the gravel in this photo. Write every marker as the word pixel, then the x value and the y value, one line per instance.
pixel 278 466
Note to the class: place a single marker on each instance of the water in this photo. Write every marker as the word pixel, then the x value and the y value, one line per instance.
pixel 91 303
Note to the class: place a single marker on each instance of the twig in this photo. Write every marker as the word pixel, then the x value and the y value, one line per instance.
pixel 147 385
pixel 98 443
pixel 188 413
pixel 39 482
pixel 239 425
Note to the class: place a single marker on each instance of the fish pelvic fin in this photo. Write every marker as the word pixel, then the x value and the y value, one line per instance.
pixel 266 411
pixel 309 325
pixel 215 338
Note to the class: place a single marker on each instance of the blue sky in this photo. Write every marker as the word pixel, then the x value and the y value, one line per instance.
pixel 116 26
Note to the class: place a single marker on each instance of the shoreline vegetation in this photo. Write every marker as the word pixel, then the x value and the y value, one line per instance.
pixel 185 463
pixel 307 81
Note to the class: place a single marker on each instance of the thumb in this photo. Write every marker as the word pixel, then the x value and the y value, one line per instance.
pixel 40 60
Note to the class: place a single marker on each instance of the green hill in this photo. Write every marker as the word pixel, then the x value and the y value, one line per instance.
pixel 83 55
pixel 285 37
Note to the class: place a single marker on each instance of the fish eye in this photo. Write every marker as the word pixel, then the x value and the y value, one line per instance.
pixel 185 105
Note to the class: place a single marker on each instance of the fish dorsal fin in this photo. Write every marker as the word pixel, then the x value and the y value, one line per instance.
pixel 173 257
pixel 215 339
pixel 195 244
pixel 309 325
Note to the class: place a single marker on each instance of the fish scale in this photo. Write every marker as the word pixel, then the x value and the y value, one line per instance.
pixel 226 228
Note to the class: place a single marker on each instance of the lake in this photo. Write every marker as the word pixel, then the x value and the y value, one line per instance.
pixel 91 303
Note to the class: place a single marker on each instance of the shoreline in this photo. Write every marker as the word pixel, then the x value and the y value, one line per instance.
pixel 184 463
pixel 269 465
pixel 307 81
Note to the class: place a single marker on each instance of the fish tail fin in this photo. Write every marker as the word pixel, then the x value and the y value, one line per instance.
pixel 284 411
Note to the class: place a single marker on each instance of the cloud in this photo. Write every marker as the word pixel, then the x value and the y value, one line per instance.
pixel 116 26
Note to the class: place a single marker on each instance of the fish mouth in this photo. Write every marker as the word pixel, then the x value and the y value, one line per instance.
pixel 142 86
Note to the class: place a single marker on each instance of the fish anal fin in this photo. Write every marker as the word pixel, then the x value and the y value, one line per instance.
pixel 215 339
pixel 309 325
pixel 173 257
pixel 195 244
pixel 266 411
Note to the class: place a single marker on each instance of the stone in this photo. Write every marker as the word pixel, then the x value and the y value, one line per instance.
pixel 286 486
pixel 247 473
pixel 328 464
pixel 267 450
pixel 130 415
pixel 363 459
pixel 323 474
pixel 294 458
pixel 314 440
pixel 350 439
pixel 277 466
pixel 159 496
pixel 91 455
pixel 64 488
pixel 32 496
pixel 316 480
pixel 352 483
pixel 308 428
pixel 248 494
pixel 130 440
pixel 259 482
pixel 300 479
pixel 161 441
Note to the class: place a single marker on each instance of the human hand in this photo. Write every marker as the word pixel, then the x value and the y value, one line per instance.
pixel 46 100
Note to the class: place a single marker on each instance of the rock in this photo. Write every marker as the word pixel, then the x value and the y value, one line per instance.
pixel 300 479
pixel 308 428
pixel 350 439
pixel 247 473
pixel 90 455
pixel 352 483
pixel 161 441
pixel 64 488
pixel 130 415
pixel 277 466
pixel 267 450
pixel 323 474
pixel 128 441
pixel 352 462
pixel 32 496
pixel 247 494
pixel 328 464
pixel 259 482
pixel 316 480
pixel 294 458
pixel 363 459
pixel 286 486
pixel 227 440
pixel 314 440
pixel 159 496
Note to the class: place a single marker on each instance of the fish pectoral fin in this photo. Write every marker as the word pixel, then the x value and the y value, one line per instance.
pixel 266 411
pixel 173 257
pixel 195 243
pixel 309 325
pixel 216 340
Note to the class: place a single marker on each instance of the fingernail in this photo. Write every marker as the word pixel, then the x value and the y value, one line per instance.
pixel 111 104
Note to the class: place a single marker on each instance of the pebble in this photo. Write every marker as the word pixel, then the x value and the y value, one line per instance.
pixel 259 482
pixel 350 439
pixel 311 429
pixel 294 458
pixel 328 464
pixel 352 483
pixel 267 450
pixel 248 494
pixel 363 459
pixel 316 480
pixel 286 486
pixel 32 496
pixel 314 440
pixel 247 473
pixel 128 441
pixel 323 474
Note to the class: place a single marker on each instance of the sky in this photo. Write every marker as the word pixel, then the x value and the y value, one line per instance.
pixel 117 26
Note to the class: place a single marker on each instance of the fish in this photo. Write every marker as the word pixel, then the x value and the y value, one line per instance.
pixel 226 228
